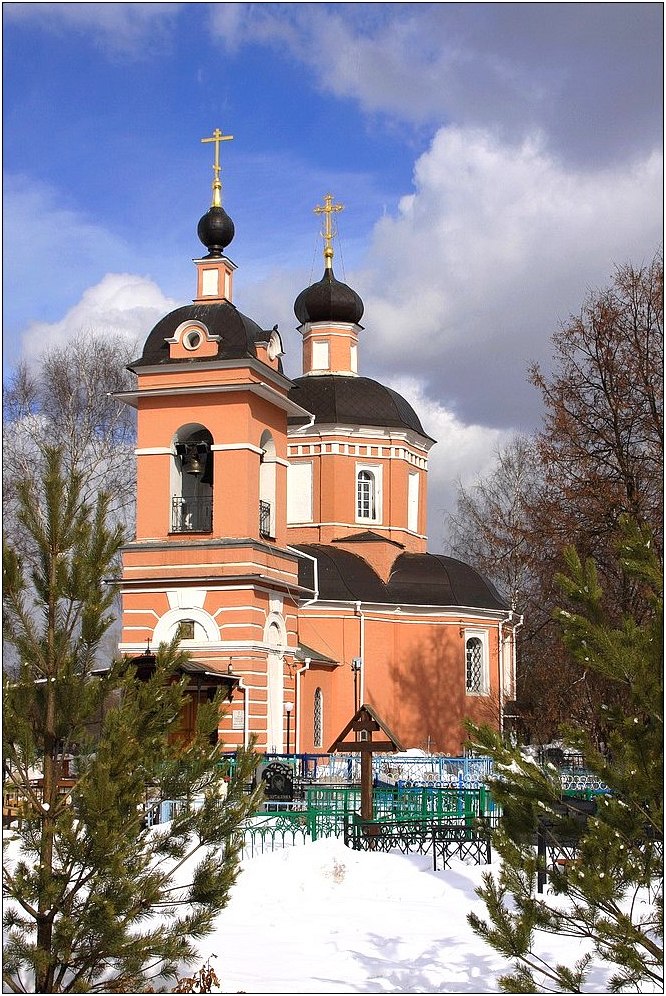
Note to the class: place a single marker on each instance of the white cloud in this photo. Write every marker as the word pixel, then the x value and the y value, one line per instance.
pixel 127 29
pixel 462 452
pixel 497 244
pixel 568 68
pixel 120 305
pixel 56 251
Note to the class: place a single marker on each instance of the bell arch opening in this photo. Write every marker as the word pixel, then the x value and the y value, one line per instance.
pixel 267 465
pixel 192 480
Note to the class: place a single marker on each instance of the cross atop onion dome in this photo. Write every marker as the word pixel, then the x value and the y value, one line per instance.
pixel 328 300
pixel 215 228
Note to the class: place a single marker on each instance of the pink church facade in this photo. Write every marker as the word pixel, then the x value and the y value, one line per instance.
pixel 281 530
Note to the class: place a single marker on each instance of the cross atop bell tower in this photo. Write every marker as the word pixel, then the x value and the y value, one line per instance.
pixel 217 137
pixel 328 231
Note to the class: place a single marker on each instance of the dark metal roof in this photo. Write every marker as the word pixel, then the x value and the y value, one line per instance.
pixel 329 300
pixel 416 579
pixel 237 333
pixel 351 400
pixel 303 652
pixel 368 536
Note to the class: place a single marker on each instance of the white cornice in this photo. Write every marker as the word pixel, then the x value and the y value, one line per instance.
pixel 247 362
pixel 261 390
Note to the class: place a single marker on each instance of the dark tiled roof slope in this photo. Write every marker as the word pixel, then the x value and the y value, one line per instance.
pixel 416 579
pixel 349 400
pixel 237 333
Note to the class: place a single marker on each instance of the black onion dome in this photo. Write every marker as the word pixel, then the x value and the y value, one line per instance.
pixel 216 230
pixel 352 400
pixel 237 334
pixel 416 579
pixel 329 300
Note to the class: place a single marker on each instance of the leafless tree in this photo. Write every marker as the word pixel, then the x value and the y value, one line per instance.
pixel 598 457
pixel 65 398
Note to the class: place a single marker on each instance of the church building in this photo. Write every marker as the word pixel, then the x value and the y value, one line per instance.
pixel 281 528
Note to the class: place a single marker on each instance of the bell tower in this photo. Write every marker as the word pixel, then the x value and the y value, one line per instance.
pixel 358 470
pixel 210 561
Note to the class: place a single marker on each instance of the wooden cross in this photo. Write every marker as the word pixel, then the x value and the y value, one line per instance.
pixel 327 210
pixel 217 137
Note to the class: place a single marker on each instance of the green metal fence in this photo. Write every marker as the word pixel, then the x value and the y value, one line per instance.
pixel 325 810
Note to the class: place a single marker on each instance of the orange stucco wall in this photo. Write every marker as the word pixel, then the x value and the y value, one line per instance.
pixel 413 673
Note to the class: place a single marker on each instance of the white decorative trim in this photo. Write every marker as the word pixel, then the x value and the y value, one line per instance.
pixel 377 527
pixel 186 598
pixel 192 325
pixel 264 391
pixel 220 447
pixel 162 632
pixel 482 635
pixel 220 259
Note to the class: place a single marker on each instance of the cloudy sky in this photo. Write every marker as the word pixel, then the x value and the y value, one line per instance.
pixel 495 160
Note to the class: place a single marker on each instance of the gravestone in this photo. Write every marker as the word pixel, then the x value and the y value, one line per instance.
pixel 278 782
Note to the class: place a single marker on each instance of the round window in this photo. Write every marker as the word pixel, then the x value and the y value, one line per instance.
pixel 192 339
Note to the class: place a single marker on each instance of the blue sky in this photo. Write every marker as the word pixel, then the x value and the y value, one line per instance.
pixel 495 162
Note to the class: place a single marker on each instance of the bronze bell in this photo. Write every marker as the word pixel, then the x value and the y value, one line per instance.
pixel 192 460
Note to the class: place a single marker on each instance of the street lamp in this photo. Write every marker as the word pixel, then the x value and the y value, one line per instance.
pixel 288 706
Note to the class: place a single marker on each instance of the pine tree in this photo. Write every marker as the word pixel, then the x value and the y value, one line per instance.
pixel 94 900
pixel 611 896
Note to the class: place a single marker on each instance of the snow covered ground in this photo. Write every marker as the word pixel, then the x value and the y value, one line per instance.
pixel 321 918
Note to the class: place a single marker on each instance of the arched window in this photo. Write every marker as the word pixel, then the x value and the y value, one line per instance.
pixel 267 486
pixel 318 719
pixel 476 667
pixel 368 493
pixel 192 481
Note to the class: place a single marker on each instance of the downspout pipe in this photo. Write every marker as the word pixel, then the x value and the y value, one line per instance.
pixel 308 660
pixel 246 718
pixel 500 654
pixel 297 731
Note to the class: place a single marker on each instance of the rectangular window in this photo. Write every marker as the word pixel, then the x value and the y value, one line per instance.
pixel 299 492
pixel 186 629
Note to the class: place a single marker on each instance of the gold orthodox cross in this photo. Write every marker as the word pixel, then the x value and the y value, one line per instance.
pixel 327 232
pixel 217 137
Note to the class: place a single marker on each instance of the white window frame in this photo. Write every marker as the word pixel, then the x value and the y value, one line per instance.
pixel 375 471
pixel 484 687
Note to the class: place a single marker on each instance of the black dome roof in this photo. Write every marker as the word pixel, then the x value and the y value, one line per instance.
pixel 415 579
pixel 352 400
pixel 237 333
pixel 216 230
pixel 328 300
